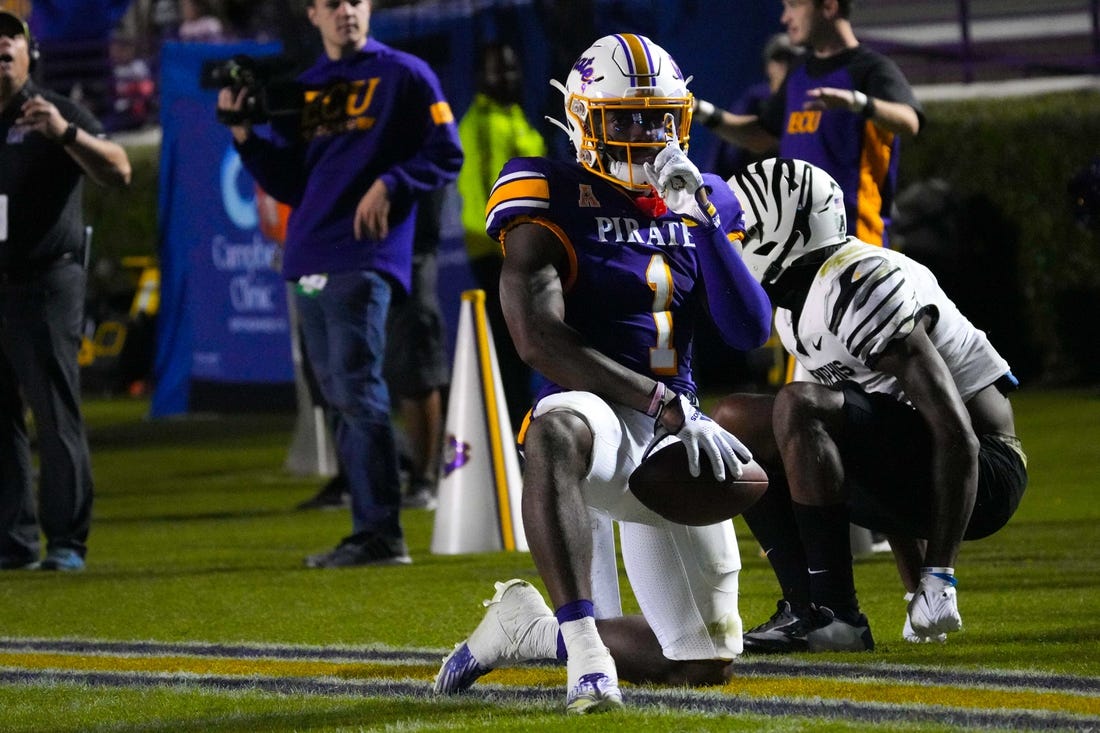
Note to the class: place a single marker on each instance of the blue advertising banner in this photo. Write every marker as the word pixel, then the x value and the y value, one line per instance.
pixel 224 313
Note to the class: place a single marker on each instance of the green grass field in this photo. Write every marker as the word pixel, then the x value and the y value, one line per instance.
pixel 196 614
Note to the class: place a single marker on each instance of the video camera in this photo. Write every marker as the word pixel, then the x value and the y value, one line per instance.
pixel 272 89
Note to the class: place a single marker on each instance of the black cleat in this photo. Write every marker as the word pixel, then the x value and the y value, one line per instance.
pixel 809 629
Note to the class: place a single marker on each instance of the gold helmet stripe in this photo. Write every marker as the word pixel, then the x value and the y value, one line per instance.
pixel 639 58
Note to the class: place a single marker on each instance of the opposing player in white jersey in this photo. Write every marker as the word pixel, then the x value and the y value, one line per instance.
pixel 602 283
pixel 909 431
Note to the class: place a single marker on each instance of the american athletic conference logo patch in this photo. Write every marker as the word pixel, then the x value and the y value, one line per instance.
pixel 586 199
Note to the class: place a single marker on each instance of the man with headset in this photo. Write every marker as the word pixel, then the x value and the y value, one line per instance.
pixel 48 144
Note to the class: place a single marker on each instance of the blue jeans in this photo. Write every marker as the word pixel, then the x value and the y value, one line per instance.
pixel 344 333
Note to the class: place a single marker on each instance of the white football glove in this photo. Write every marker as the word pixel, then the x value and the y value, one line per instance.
pixel 913 637
pixel 676 178
pixel 934 608
pixel 700 433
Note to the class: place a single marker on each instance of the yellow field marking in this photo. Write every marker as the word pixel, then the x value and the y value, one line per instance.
pixel 211 666
pixel 809 687
pixel 871 690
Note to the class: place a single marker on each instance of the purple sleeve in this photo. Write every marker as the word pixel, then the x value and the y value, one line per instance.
pixel 738 305
pixel 278 169
pixel 439 158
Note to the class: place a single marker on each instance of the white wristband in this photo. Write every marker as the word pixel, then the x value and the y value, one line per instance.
pixel 708 114
pixel 859 101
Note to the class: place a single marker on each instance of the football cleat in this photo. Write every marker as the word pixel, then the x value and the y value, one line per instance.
pixel 781 633
pixel 813 629
pixel 501 636
pixel 934 609
pixel 829 633
pixel 596 689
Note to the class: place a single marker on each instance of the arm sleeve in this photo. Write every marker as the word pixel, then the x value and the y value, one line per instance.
pixel 773 110
pixel 278 169
pixel 886 81
pixel 438 159
pixel 740 308
pixel 83 119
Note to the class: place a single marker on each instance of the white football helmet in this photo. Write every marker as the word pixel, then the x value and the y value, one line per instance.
pixel 616 98
pixel 791 209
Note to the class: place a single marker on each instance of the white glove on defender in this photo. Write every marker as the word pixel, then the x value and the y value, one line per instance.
pixel 676 178
pixel 700 433
pixel 913 637
pixel 934 608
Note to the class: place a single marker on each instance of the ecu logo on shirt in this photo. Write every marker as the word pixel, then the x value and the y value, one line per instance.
pixel 339 101
pixel 803 122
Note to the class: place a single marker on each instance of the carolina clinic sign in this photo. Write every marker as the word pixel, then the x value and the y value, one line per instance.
pixel 246 298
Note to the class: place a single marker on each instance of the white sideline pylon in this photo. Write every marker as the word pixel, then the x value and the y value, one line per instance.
pixel 480 487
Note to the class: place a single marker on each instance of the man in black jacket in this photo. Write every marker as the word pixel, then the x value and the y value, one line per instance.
pixel 48 144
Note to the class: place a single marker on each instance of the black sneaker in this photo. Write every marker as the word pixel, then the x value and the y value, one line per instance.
pixel 18 563
pixel 333 495
pixel 783 632
pixel 811 629
pixel 362 549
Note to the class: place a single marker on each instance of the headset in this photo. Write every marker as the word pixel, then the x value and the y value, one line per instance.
pixel 33 50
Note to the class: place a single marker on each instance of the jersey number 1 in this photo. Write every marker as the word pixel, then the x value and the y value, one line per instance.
pixel 662 357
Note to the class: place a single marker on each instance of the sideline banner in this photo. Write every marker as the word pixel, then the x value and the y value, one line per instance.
pixel 223 316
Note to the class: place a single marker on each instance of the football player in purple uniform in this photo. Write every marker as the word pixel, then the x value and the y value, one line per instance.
pixel 907 428
pixel 608 262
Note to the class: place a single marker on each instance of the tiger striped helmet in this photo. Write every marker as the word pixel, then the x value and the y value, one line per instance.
pixel 616 98
pixel 791 209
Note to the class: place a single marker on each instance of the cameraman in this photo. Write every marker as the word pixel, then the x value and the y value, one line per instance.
pixel 375 133
pixel 48 145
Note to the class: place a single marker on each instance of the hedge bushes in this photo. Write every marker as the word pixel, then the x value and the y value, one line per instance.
pixel 1019 154
pixel 125 222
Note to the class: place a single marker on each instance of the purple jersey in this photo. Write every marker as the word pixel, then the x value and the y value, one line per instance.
pixel 634 286
pixel 862 157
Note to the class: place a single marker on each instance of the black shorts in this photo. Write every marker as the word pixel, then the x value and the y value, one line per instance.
pixel 887 455
pixel 416 356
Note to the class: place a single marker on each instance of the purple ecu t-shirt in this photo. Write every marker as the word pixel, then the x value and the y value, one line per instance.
pixel 862 157
pixel 378 114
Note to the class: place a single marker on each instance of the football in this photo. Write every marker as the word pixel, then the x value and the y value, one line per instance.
pixel 663 484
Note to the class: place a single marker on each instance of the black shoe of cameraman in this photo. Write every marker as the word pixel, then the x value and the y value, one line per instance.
pixel 333 495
